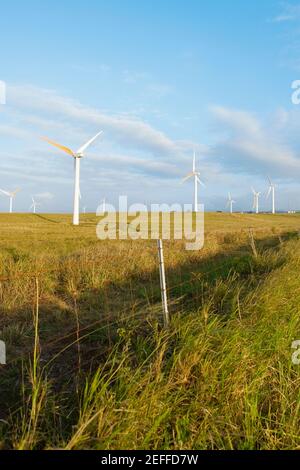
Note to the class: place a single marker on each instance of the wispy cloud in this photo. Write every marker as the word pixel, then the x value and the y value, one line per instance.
pixel 133 153
pixel 47 196
pixel 251 146
pixel 135 156
pixel 132 132
pixel 289 12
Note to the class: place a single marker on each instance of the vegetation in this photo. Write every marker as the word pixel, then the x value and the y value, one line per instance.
pixel 91 367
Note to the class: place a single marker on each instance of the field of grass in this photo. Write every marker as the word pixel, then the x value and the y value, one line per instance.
pixel 90 366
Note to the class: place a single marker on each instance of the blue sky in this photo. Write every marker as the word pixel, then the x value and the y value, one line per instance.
pixel 161 78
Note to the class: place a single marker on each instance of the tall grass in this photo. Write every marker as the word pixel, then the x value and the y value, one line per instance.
pixel 93 368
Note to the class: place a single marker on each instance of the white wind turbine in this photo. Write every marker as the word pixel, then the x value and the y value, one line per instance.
pixel 34 205
pixel 196 175
pixel 77 157
pixel 272 190
pixel 256 200
pixel 230 203
pixel 11 196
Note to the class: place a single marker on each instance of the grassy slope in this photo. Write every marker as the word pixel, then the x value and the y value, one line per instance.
pixel 221 377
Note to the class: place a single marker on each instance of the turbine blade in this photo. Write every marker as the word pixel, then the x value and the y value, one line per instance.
pixel 200 182
pixel 5 192
pixel 190 175
pixel 85 146
pixel 15 192
pixel 61 147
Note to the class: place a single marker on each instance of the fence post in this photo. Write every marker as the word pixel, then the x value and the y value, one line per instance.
pixel 163 286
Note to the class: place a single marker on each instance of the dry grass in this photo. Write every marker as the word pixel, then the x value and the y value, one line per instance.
pixel 90 366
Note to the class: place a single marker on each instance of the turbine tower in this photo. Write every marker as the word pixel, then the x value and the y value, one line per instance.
pixel 230 203
pixel 196 175
pixel 256 200
pixel 34 205
pixel 272 190
pixel 77 157
pixel 11 196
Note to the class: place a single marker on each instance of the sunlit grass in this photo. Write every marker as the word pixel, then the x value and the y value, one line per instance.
pixel 90 365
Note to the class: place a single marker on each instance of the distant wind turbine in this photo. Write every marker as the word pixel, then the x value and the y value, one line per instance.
pixel 34 205
pixel 196 175
pixel 11 196
pixel 256 200
pixel 272 190
pixel 230 203
pixel 77 157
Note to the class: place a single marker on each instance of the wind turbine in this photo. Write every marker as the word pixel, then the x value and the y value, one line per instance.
pixel 77 157
pixel 11 196
pixel 256 200
pixel 272 190
pixel 194 174
pixel 34 205
pixel 230 203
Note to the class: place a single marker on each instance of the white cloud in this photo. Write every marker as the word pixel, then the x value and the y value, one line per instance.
pixel 136 157
pixel 46 196
pixel 282 18
pixel 132 132
pixel 289 12
pixel 253 147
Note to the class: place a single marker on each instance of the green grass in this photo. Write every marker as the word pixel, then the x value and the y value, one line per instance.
pixel 91 367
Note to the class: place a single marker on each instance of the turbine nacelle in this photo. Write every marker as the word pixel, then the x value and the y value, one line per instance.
pixel 10 193
pixel 79 153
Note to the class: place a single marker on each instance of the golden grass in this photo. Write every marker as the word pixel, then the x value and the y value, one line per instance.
pixel 90 366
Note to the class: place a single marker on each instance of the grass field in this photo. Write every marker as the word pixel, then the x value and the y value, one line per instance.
pixel 89 365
